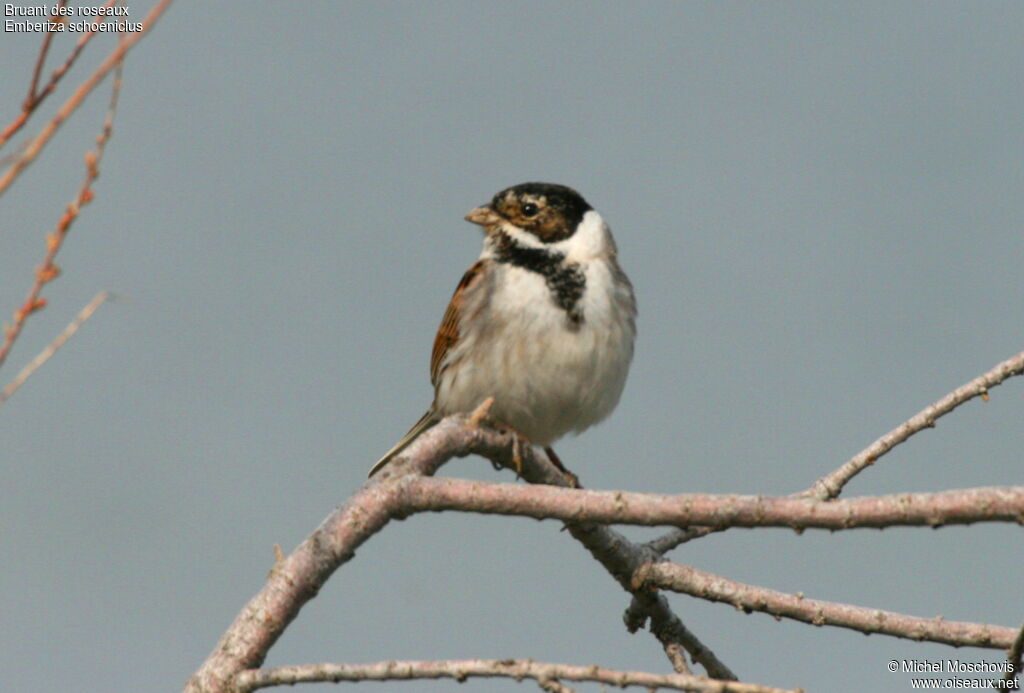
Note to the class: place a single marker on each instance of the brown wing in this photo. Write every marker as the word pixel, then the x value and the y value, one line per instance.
pixel 448 333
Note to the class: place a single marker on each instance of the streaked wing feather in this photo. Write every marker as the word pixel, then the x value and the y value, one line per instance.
pixel 447 336
pixel 448 332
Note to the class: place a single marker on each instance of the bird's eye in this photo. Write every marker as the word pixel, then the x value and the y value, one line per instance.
pixel 530 209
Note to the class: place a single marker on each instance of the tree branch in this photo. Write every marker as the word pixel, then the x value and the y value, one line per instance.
pixel 296 579
pixel 749 598
pixel 831 485
pixel 400 490
pixel 36 145
pixel 48 269
pixel 35 98
pixel 30 100
pixel 965 506
pixel 51 349
pixel 518 669
pixel 619 556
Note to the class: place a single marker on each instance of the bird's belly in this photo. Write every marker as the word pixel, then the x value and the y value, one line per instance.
pixel 547 376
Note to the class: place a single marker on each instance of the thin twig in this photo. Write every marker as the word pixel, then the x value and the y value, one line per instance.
pixel 74 101
pixel 36 98
pixel 519 669
pixel 44 355
pixel 48 269
pixel 30 100
pixel 830 485
pixel 687 580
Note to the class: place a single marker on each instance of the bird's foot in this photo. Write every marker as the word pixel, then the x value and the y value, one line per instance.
pixel 519 445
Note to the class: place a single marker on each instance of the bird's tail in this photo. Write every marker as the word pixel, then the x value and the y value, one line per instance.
pixel 425 422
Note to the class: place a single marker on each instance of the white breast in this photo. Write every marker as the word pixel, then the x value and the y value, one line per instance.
pixel 548 376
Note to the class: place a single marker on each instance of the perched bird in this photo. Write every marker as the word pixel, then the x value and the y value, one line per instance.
pixel 543 322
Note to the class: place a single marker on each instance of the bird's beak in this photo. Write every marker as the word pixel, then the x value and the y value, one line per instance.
pixel 484 216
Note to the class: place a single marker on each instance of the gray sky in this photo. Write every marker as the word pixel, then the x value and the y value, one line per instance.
pixel 818 204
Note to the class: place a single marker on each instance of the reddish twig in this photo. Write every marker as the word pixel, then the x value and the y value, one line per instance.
pixel 35 98
pixel 36 145
pixel 518 669
pixel 696 583
pixel 30 100
pixel 48 269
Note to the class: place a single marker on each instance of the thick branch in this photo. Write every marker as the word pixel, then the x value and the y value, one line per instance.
pixel 749 598
pixel 966 506
pixel 400 490
pixel 296 580
pixel 619 556
pixel 518 669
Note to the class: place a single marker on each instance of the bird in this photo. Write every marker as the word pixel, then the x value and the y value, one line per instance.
pixel 543 322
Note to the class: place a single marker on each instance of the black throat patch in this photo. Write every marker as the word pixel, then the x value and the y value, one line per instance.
pixel 565 280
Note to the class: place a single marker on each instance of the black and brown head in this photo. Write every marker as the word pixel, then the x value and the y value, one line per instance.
pixel 549 211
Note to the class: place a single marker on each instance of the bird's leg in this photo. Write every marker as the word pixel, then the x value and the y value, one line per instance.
pixel 574 481
pixel 481 414
pixel 519 444
pixel 517 452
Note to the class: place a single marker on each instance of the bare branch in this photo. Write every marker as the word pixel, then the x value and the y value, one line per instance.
pixel 673 634
pixel 297 578
pixel 30 100
pixel 829 486
pixel 518 669
pixel 832 484
pixel 677 537
pixel 36 145
pixel 620 557
pixel 964 506
pixel 35 98
pixel 749 598
pixel 48 269
pixel 399 490
pixel 44 355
